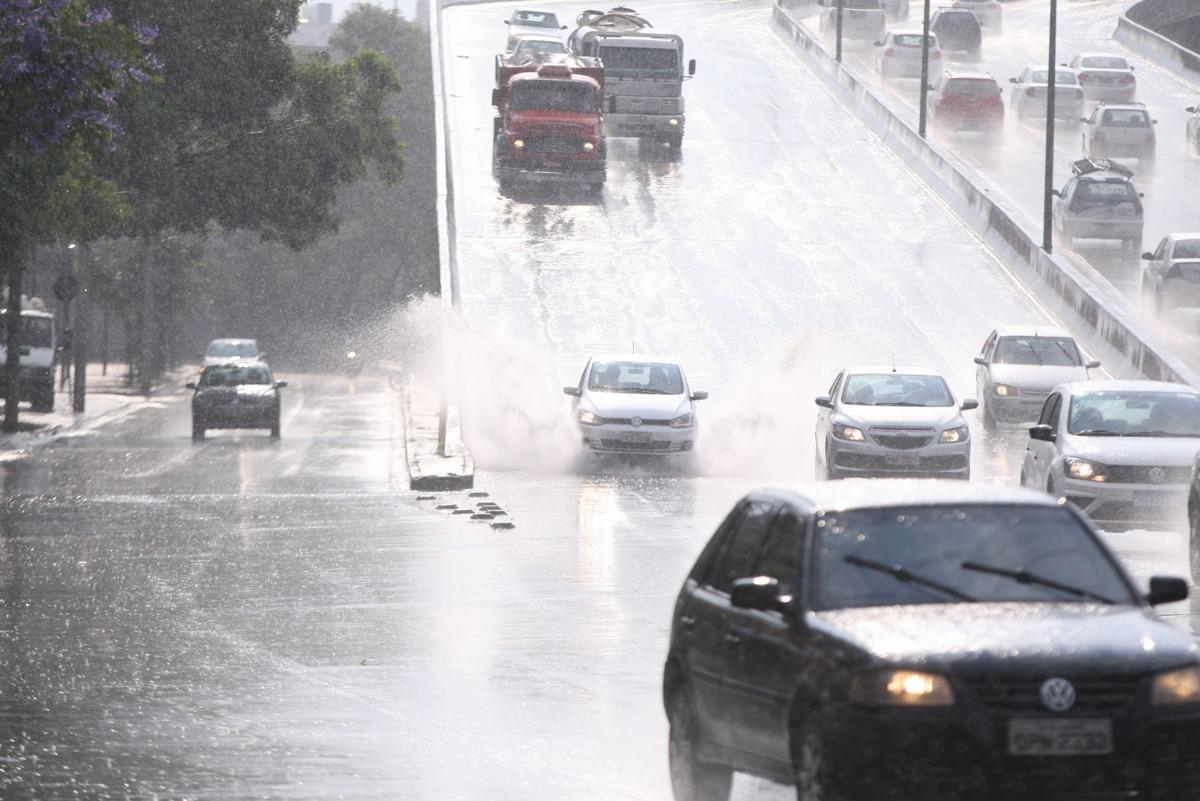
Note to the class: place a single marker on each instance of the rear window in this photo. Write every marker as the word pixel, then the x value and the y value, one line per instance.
pixel 972 87
pixel 1105 192
pixel 1187 249
pixel 911 40
pixel 1105 63
pixel 1061 78
pixel 1126 118
pixel 536 19
pixel 958 20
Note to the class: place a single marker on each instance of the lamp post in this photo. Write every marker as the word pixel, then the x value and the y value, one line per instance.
pixel 1048 199
pixel 841 4
pixel 923 111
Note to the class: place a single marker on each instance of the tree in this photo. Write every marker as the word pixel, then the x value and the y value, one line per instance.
pixel 63 65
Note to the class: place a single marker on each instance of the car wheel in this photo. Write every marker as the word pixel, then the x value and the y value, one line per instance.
pixel 1050 488
pixel 1194 538
pixel 275 428
pixel 675 143
pixel 197 429
pixel 1162 302
pixel 989 419
pixel 691 779
pixel 812 771
pixel 1024 482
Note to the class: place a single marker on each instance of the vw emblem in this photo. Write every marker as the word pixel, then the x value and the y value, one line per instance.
pixel 1058 695
pixel 635 421
pixel 1157 475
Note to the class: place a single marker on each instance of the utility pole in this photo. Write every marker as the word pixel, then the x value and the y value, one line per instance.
pixel 923 111
pixel 1048 205
pixel 82 326
pixel 840 8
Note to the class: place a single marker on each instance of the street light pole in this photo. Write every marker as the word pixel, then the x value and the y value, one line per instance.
pixel 923 111
pixel 1048 204
pixel 840 7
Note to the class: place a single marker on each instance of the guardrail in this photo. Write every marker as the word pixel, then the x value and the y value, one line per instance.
pixel 1157 48
pixel 992 216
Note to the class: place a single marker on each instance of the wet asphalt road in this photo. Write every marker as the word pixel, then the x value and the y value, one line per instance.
pixel 243 619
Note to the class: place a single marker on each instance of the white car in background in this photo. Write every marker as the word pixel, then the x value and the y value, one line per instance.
pixel 1029 94
pixel 1121 451
pixel 898 55
pixel 989 13
pixel 634 403
pixel 537 49
pixel 230 351
pixel 879 422
pixel 861 19
pixel 1120 130
pixel 525 21
pixel 1018 367
pixel 1106 77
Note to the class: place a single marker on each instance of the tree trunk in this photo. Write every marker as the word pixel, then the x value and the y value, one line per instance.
pixel 146 345
pixel 12 341
pixel 82 325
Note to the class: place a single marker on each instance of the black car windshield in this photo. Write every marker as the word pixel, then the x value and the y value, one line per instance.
pixel 857 553
pixel 1135 414
pixel 647 378
pixel 1105 63
pixel 231 375
pixel 536 19
pixel 640 62
pixel 232 350
pixel 895 389
pixel 1055 351
pixel 958 21
pixel 1187 249
pixel 37 332
pixel 556 95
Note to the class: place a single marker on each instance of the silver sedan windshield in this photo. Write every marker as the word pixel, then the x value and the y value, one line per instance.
pixel 893 389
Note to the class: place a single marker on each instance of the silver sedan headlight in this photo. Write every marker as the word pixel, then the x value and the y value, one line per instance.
pixel 848 433
pixel 952 435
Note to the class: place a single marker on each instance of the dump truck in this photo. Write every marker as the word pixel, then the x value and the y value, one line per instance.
pixel 549 124
pixel 644 74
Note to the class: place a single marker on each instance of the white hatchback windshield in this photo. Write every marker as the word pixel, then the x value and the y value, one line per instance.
pixel 647 378
pixel 892 389
pixel 1135 414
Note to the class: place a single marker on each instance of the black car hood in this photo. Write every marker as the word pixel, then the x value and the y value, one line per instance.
pixel 984 637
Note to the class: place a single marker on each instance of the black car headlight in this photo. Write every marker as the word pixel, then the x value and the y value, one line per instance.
pixel 901 688
pixel 1177 687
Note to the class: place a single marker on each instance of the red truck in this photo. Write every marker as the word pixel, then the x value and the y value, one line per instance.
pixel 549 124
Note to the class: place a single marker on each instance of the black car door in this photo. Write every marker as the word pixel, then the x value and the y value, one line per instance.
pixel 764 646
pixel 710 649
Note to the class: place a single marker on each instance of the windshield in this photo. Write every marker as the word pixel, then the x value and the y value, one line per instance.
pixel 1126 118
pixel 1187 249
pixel 1135 414
pixel 229 375
pixel 554 95
pixel 37 332
pixel 959 22
pixel 1055 351
pixel 536 19
pixel 1061 78
pixel 1105 63
pixel 933 543
pixel 651 378
pixel 971 87
pixel 891 389
pixel 232 350
pixel 639 62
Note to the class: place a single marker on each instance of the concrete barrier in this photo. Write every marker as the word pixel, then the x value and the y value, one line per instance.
pixel 1156 48
pixel 994 217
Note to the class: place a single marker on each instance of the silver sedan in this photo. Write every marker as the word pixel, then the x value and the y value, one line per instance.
pixel 1019 365
pixel 888 422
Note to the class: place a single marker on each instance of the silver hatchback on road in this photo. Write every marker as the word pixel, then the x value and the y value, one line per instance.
pixel 889 422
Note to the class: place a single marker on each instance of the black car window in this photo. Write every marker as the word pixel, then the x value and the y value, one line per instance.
pixel 704 571
pixel 229 375
pixel 956 552
pixel 1187 249
pixel 1050 409
pixel 1161 251
pixel 738 559
pixel 780 555
pixel 834 387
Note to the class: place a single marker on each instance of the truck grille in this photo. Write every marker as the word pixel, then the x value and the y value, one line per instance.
pixel 553 144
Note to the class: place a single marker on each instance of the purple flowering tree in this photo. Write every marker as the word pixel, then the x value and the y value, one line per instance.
pixel 64 65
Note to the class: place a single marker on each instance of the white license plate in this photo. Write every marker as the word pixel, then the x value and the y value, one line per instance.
pixel 906 460
pixel 636 436
pixel 1067 737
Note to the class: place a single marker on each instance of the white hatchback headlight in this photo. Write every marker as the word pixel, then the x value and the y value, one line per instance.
pixel 952 435
pixel 1002 390
pixel 1083 470
pixel 684 421
pixel 1177 687
pixel 590 418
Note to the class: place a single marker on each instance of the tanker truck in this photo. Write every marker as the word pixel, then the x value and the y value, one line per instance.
pixel 643 74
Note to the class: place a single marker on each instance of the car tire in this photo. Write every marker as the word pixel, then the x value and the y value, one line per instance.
pixel 691 779
pixel 1194 538
pixel 275 427
pixel 812 775
pixel 675 144
pixel 989 419
pixel 1050 488
pixel 197 430
pixel 1024 482
pixel 43 398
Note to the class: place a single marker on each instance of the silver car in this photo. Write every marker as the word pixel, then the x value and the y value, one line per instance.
pixel 635 404
pixel 898 55
pixel 889 422
pixel 1100 202
pixel 526 21
pixel 1029 94
pixel 1122 451
pixel 1171 274
pixel 1105 77
pixel 1120 130
pixel 1019 365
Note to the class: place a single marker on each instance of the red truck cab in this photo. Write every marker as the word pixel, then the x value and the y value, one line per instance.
pixel 549 127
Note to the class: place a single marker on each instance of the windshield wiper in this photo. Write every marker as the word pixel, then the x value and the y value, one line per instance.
pixel 1023 576
pixel 1034 353
pixel 1097 432
pixel 901 573
pixel 1070 357
pixel 1159 433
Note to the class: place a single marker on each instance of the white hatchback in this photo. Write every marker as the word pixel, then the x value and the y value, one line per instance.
pixel 1122 451
pixel 634 403
pixel 898 55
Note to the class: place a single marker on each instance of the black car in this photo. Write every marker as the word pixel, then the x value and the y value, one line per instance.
pixel 920 640
pixel 958 31
pixel 241 395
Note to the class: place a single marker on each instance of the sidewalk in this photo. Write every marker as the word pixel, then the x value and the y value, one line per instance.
pixel 109 398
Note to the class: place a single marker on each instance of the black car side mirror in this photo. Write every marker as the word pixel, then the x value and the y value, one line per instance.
pixel 698 396
pixel 1056 193
pixel 562 27
pixel 1042 433
pixel 280 384
pixel 1163 590
pixel 1148 256
pixel 1012 80
pixel 1092 364
pixel 508 22
pixel 190 385
pixel 879 44
pixel 1083 119
pixel 760 592
pixel 1191 109
pixel 981 361
pixel 572 391
pixel 691 67
pixel 825 402
pixel 969 404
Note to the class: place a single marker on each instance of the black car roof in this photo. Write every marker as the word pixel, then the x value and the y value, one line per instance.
pixel 885 493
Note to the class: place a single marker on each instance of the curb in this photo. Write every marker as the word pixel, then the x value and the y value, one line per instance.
pixel 427 469
pixel 991 215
